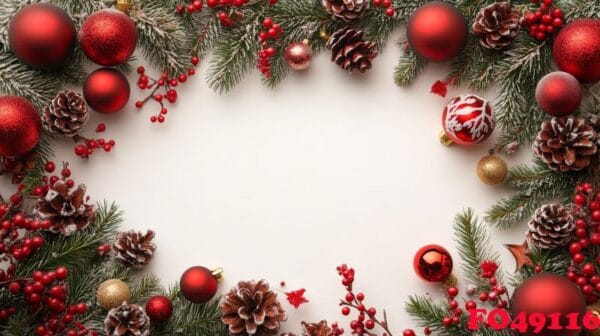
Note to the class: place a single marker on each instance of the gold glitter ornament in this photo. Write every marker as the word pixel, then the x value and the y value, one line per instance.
pixel 112 293
pixel 492 169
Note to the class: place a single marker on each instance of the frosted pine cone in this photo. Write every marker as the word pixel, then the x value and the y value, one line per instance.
pixel 127 320
pixel 566 144
pixel 134 249
pixel 66 115
pixel 350 52
pixel 345 10
pixel 252 308
pixel 66 209
pixel 497 25
pixel 316 329
pixel 551 226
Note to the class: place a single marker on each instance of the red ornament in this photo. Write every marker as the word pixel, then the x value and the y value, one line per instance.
pixel 546 294
pixel 558 94
pixel 198 284
pixel 577 50
pixel 298 56
pixel 20 126
pixel 437 32
pixel 108 37
pixel 433 263
pixel 106 90
pixel 159 308
pixel 468 119
pixel 42 35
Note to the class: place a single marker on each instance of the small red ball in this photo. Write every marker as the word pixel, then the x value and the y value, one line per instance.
pixel 159 308
pixel 198 284
pixel 547 293
pixel 437 31
pixel 433 263
pixel 577 49
pixel 298 56
pixel 108 37
pixel 20 126
pixel 106 90
pixel 558 94
pixel 42 35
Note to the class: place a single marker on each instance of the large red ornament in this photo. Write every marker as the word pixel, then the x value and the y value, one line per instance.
pixel 577 49
pixel 108 37
pixel 437 32
pixel 20 126
pixel 558 94
pixel 433 263
pixel 159 308
pixel 42 35
pixel 198 284
pixel 549 294
pixel 106 90
pixel 468 120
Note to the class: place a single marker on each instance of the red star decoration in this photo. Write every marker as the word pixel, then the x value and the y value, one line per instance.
pixel 440 88
pixel 296 298
pixel 521 254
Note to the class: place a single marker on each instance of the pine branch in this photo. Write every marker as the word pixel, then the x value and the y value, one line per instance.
pixel 552 261
pixel 428 314
pixel 33 178
pixel 473 247
pixel 533 186
pixel 408 68
pixel 474 67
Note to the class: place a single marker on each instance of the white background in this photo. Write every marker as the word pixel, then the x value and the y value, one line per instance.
pixel 286 184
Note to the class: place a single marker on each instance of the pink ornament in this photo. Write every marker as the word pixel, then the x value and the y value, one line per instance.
pixel 468 120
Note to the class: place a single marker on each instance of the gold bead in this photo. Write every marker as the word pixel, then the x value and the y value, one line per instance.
pixel 112 293
pixel 492 169
pixel 324 36
pixel 124 5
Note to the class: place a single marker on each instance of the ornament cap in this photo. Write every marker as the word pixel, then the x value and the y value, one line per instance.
pixel 324 35
pixel 124 5
pixel 218 273
pixel 445 139
pixel 451 281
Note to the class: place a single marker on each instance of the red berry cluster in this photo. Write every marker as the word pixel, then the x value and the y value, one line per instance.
pixel 583 271
pixel 85 147
pixel 104 250
pixel 543 22
pixel 18 240
pixel 49 181
pixel 272 32
pixel 224 16
pixel 387 4
pixel 366 319
pixel 162 90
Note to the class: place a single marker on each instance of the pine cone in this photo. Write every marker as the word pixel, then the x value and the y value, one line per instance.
pixel 66 209
pixel 316 329
pixel 66 115
pixel 345 10
pixel 566 144
pixel 497 25
pixel 127 320
pixel 134 249
pixel 350 52
pixel 19 167
pixel 551 226
pixel 252 308
pixel 594 121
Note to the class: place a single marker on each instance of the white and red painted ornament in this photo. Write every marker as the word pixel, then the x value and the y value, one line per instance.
pixel 467 120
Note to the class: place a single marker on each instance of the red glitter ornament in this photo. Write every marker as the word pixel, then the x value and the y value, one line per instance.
pixel 106 90
pixel 42 35
pixel 298 56
pixel 546 294
pixel 433 263
pixel 159 308
pixel 577 50
pixel 198 284
pixel 20 126
pixel 558 94
pixel 108 37
pixel 467 120
pixel 437 31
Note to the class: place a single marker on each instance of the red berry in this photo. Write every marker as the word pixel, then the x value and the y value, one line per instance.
pixel 14 287
pixel 345 311
pixel 578 258
pixel 195 60
pixel 452 292
pixel 408 332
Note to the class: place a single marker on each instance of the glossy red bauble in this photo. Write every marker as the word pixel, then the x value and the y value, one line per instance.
pixel 558 94
pixel 20 126
pixel 106 90
pixel 577 49
pixel 547 293
pixel 468 120
pixel 42 35
pixel 108 37
pixel 437 32
pixel 433 263
pixel 198 284
pixel 159 308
